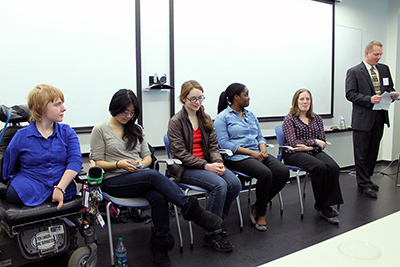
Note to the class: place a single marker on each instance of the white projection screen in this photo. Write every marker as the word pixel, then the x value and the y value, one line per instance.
pixel 273 47
pixel 84 48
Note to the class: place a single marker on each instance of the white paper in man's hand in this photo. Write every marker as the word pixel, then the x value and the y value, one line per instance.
pixel 385 102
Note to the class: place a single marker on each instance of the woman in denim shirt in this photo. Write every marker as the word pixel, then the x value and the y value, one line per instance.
pixel 238 130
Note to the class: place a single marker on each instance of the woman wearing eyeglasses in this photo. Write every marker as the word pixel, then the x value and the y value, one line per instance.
pixel 119 146
pixel 193 140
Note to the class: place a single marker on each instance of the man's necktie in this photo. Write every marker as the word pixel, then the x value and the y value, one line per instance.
pixel 375 81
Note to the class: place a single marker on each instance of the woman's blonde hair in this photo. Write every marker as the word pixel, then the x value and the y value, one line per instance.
pixel 39 97
pixel 185 91
pixel 294 110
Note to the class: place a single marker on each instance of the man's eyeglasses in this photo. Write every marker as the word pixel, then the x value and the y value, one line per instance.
pixel 128 113
pixel 194 99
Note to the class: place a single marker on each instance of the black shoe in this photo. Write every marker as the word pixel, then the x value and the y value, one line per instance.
pixel 369 192
pixel 159 249
pixel 224 232
pixel 375 187
pixel 205 219
pixel 333 220
pixel 217 242
pixel 333 211
pixel 160 258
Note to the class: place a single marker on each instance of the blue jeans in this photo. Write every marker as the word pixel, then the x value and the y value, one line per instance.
pixel 223 190
pixel 154 186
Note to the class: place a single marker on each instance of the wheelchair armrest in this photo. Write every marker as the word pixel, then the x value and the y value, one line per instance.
pixel 3 190
pixel 13 214
pixel 81 177
pixel 270 145
pixel 3 187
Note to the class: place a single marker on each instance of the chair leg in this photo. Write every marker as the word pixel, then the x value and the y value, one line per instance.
pixel 178 224
pixel 191 235
pixel 300 197
pixel 110 238
pixel 281 201
pixel 304 188
pixel 240 214
pixel 397 173
pixel 249 193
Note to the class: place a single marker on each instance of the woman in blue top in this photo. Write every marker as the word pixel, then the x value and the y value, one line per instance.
pixel 238 130
pixel 48 152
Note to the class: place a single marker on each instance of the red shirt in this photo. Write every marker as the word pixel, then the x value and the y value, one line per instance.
pixel 197 147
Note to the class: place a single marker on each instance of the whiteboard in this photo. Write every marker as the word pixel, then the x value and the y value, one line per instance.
pixel 273 47
pixel 348 53
pixel 84 48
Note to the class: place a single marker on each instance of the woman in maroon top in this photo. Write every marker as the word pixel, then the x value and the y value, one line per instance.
pixel 304 132
pixel 193 140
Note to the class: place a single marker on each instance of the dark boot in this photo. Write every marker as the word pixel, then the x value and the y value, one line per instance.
pixel 159 248
pixel 196 213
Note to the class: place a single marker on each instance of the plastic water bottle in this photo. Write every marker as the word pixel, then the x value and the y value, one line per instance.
pixel 342 123
pixel 120 253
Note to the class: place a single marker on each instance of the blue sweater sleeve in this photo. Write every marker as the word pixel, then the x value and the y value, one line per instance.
pixel 11 155
pixel 74 156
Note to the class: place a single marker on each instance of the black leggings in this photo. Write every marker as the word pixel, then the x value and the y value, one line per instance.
pixel 271 175
pixel 324 173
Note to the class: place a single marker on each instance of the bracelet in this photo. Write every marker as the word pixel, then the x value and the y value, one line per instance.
pixel 59 188
pixel 116 164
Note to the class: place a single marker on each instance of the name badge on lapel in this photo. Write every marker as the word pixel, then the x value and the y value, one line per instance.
pixel 385 81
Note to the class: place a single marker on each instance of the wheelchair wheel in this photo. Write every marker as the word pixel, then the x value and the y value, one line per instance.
pixel 79 257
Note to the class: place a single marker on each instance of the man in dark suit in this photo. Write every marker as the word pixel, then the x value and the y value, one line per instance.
pixel 365 83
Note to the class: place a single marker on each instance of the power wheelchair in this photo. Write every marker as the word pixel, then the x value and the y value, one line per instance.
pixel 30 234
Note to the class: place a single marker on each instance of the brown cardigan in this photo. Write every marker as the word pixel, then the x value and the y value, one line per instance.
pixel 180 135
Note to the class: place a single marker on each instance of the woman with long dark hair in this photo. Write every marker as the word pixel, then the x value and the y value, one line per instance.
pixel 193 141
pixel 238 130
pixel 119 146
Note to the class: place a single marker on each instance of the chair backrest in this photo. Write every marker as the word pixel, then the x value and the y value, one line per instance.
pixel 280 135
pixel 166 144
pixel 281 139
pixel 167 149
pixel 153 158
pixel 13 115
